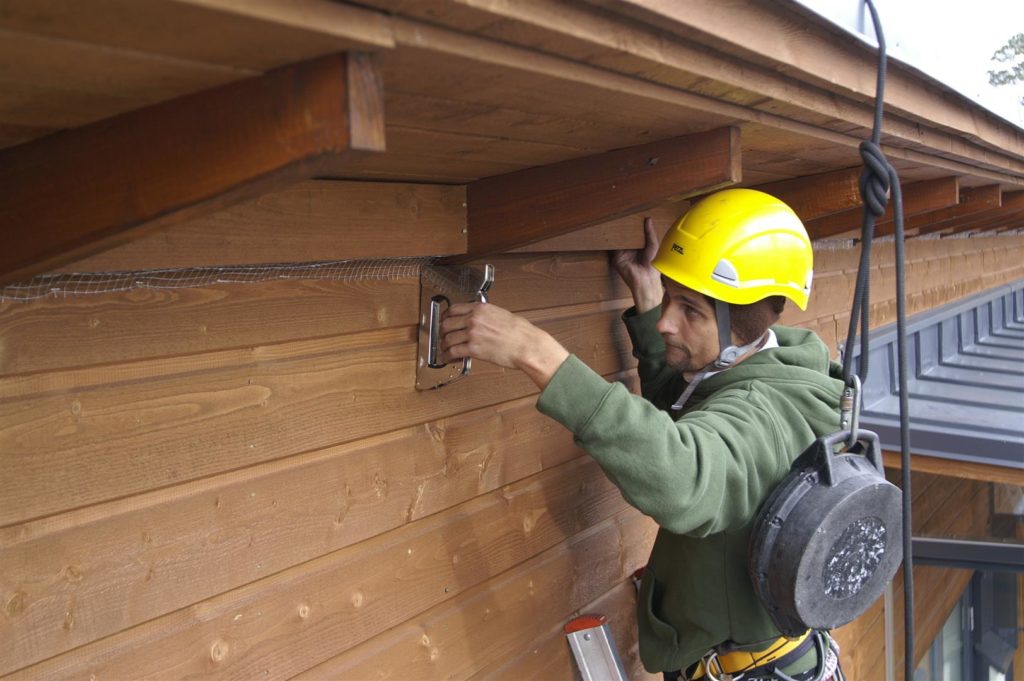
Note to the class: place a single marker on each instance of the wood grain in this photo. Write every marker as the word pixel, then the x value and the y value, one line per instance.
pixel 495 622
pixel 110 329
pixel 257 36
pixel 223 145
pixel 918 197
pixel 193 419
pixel 972 200
pixel 42 76
pixel 281 625
pixel 549 656
pixel 310 221
pixel 625 233
pixel 816 196
pixel 958 469
pixel 240 526
pixel 514 210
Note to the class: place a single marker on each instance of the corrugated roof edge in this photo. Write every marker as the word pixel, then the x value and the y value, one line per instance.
pixel 965 380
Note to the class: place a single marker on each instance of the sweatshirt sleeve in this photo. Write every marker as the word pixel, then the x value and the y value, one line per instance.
pixel 705 473
pixel 659 383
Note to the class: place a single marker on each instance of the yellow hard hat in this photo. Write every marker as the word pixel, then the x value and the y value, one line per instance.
pixel 739 246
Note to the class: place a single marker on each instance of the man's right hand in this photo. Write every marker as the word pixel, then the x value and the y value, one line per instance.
pixel 636 271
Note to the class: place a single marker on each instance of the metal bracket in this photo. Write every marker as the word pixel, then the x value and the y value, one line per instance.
pixel 439 287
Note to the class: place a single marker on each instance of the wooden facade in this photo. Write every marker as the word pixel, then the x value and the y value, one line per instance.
pixel 240 480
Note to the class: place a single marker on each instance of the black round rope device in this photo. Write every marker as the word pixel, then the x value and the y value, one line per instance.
pixel 878 180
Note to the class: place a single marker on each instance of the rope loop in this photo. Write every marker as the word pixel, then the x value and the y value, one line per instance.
pixel 874 181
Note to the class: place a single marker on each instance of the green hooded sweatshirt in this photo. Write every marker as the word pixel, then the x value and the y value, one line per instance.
pixel 701 475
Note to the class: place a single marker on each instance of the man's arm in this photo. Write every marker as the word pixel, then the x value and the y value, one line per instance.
pixel 493 334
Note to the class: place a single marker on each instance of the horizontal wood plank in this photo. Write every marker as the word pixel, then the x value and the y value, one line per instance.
pixel 41 76
pixel 310 221
pixel 258 36
pixel 813 56
pixel 111 329
pixel 286 623
pixel 506 612
pixel 580 34
pixel 223 145
pixel 51 334
pixel 237 527
pixel 549 656
pixel 226 416
pixel 623 233
pixel 957 469
pixel 513 210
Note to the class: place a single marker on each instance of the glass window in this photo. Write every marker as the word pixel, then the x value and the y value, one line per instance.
pixel 948 657
pixel 953 644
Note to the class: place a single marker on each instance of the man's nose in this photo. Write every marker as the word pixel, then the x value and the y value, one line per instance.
pixel 666 324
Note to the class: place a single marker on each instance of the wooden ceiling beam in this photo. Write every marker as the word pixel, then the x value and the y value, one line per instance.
pixel 973 200
pixel 78 192
pixel 815 196
pixel 510 211
pixel 1009 213
pixel 918 197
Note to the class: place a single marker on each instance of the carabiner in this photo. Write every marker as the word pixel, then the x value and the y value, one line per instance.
pixel 849 409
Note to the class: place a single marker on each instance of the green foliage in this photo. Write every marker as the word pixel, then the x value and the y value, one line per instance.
pixel 1012 51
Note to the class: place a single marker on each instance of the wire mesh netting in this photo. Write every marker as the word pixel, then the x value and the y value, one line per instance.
pixel 87 283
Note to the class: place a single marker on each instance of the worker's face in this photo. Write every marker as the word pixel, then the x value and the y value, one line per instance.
pixel 689 328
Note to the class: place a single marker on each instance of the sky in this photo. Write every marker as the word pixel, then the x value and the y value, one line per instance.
pixel 951 41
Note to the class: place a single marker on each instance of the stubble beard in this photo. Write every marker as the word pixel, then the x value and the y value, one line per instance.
pixel 682 360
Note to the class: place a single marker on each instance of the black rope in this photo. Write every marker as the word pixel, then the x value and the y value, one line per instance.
pixel 877 182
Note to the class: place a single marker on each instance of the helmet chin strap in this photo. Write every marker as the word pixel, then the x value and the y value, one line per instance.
pixel 728 353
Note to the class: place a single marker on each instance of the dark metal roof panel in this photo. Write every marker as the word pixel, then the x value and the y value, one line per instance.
pixel 965 380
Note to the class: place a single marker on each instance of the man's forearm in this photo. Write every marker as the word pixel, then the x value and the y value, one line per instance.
pixel 647 295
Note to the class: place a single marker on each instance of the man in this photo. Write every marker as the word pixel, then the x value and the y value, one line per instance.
pixel 728 403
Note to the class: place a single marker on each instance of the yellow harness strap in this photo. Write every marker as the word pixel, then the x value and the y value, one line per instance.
pixel 736 661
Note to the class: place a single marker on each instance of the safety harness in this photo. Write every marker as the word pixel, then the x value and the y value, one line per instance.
pixel 771 661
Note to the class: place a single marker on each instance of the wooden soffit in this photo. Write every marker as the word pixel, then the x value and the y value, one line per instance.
pixel 81 191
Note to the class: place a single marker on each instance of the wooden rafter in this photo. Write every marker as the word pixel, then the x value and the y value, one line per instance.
pixel 973 200
pixel 918 198
pixel 1011 212
pixel 81 191
pixel 815 196
pixel 510 211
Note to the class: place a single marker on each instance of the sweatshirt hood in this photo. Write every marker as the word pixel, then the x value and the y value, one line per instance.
pixel 801 351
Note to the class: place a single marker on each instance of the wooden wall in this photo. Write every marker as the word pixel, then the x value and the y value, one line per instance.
pixel 240 481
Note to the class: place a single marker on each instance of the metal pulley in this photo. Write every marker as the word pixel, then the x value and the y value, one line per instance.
pixel 828 540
